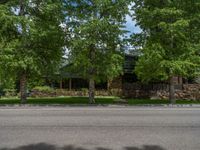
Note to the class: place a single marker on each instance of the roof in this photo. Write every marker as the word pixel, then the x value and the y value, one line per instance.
pixel 128 67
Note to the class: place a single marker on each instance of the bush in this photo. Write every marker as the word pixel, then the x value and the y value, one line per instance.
pixel 115 92
pixel 10 92
pixel 197 80
pixel 81 92
pixel 43 89
pixel 85 91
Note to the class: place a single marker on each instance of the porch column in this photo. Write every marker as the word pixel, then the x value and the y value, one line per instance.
pixel 61 84
pixel 70 84
pixel 180 80
pixel 108 84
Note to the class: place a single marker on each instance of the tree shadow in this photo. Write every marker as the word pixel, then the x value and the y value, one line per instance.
pixel 44 146
pixel 146 147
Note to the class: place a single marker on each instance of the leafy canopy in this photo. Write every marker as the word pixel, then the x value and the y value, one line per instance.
pixel 31 37
pixel 170 45
pixel 96 30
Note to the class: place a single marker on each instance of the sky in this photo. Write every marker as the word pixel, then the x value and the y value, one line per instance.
pixel 131 25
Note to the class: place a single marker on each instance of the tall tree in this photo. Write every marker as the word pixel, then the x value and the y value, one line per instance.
pixel 169 47
pixel 31 37
pixel 96 27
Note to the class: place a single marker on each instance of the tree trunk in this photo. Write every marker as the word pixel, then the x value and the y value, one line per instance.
pixel 92 74
pixel 22 10
pixel 91 91
pixel 23 95
pixel 172 91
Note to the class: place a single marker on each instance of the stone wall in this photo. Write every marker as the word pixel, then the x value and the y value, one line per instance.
pixel 132 90
pixel 62 92
pixel 139 90
pixel 160 91
pixel 115 83
pixel 189 92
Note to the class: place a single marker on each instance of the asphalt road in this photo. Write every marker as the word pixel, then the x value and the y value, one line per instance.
pixel 100 128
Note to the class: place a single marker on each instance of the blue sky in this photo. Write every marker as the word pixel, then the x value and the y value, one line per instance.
pixel 131 25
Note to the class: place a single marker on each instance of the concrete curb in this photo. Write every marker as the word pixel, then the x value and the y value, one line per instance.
pixel 98 105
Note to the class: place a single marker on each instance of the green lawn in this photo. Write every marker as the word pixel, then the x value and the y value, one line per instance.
pixel 84 100
pixel 59 100
pixel 158 102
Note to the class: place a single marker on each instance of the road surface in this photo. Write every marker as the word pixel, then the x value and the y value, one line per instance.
pixel 99 128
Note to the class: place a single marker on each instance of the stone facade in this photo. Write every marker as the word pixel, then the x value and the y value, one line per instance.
pixel 115 83
pixel 156 90
pixel 138 90
pixel 132 90
pixel 189 92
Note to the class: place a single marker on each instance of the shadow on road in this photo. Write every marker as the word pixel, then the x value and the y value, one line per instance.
pixel 44 146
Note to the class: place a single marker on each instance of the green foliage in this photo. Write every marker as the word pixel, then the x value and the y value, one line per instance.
pixel 170 45
pixel 35 81
pixel 31 37
pixel 84 100
pixel 7 80
pixel 63 100
pixel 43 89
pixel 95 44
pixel 84 90
pixel 10 92
pixel 158 102
pixel 197 80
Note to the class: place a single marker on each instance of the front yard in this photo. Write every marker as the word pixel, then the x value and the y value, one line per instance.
pixel 84 100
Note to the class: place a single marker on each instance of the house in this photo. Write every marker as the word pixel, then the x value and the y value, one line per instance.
pixel 73 81
pixel 127 84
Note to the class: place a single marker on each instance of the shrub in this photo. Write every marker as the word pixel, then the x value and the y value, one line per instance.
pixel 43 89
pixel 85 91
pixel 115 92
pixel 197 80
pixel 10 92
